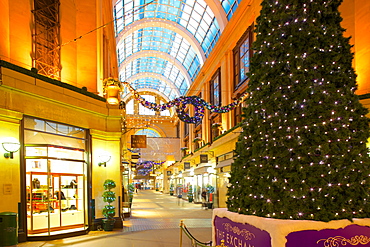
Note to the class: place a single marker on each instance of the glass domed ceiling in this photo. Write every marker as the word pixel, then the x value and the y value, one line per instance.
pixel 162 44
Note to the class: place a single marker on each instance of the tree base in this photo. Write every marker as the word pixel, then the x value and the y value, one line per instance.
pixel 246 230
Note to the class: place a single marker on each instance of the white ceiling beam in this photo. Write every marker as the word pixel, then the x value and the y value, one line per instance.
pixel 159 54
pixel 219 13
pixel 156 76
pixel 143 90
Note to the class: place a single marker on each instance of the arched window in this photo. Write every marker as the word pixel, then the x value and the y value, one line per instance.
pixel 148 133
pixel 130 107
pixel 145 111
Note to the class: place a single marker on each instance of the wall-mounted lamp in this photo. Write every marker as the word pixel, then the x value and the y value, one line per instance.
pixel 104 159
pixel 11 147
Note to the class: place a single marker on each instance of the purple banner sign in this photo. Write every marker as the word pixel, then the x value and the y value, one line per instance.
pixel 239 234
pixel 353 235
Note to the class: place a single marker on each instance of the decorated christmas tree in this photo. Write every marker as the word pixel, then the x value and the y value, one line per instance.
pixel 302 153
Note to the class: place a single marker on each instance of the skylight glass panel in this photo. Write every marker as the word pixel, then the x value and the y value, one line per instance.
pixel 163 40
pixel 188 13
pixel 152 83
pixel 153 65
pixel 183 88
pixel 230 7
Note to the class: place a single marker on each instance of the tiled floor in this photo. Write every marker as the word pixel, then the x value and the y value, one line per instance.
pixel 154 222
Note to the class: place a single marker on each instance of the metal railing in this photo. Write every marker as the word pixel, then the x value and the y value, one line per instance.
pixel 194 241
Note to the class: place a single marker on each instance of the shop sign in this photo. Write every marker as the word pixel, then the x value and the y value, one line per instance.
pixel 186 165
pixel 133 164
pixel 135 156
pixel 239 234
pixel 204 158
pixel 138 141
pixel 7 189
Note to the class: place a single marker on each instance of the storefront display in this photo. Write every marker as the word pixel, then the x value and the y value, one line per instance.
pixel 56 179
pixel 55 193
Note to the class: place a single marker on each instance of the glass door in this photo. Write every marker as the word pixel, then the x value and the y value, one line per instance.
pixel 37 200
pixel 56 186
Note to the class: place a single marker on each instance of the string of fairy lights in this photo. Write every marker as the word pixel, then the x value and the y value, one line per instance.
pixel 181 104
pixel 301 195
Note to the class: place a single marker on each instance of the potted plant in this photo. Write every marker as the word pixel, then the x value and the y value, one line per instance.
pixel 171 189
pixel 197 139
pixel 109 210
pixel 190 193
pixel 216 125
pixel 131 191
pixel 216 130
pixel 112 88
pixel 112 83
pixel 184 150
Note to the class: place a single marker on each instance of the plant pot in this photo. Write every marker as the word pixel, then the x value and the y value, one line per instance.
pixel 108 224
pixel 171 193
pixel 190 199
pixel 210 205
pixel 113 94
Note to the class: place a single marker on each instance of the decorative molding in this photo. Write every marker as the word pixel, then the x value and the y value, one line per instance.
pixel 33 73
pixel 338 241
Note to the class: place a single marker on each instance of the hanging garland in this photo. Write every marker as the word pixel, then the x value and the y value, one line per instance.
pixel 181 103
pixel 144 168
pixel 147 164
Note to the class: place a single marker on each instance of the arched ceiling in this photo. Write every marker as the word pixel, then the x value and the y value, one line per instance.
pixel 163 82
pixel 162 44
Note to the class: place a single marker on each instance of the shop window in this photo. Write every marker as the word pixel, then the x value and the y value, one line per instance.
pixel 215 88
pixel 242 54
pixel 56 177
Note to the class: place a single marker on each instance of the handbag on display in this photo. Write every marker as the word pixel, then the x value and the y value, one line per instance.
pixel 36 183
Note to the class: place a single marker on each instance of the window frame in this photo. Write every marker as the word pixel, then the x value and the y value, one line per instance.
pixel 248 35
pixel 214 132
pixel 186 126
pixel 238 111
pixel 217 101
